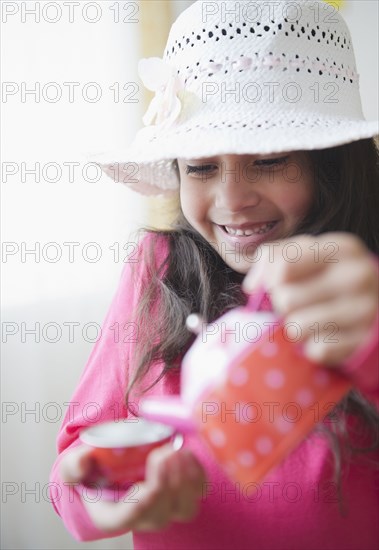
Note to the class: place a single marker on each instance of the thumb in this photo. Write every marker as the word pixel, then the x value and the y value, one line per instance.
pixel 255 277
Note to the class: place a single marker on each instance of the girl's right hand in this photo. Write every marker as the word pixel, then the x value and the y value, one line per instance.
pixel 171 491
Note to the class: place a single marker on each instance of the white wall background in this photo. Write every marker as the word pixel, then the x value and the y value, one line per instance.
pixel 362 18
pixel 37 291
pixel 34 373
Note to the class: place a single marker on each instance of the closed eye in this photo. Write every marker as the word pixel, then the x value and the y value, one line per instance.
pixel 202 169
pixel 271 162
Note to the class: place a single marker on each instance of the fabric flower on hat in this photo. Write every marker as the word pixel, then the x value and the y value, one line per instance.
pixel 161 78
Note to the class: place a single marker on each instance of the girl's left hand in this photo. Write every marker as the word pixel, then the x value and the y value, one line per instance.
pixel 326 285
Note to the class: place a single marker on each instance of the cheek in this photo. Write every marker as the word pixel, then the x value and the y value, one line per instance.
pixel 185 200
pixel 297 189
pixel 296 199
pixel 191 201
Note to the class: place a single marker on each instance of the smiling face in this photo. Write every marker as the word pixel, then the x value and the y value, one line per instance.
pixel 238 202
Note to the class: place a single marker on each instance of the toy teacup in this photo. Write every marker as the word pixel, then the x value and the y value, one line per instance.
pixel 120 450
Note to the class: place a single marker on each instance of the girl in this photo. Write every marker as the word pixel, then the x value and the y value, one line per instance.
pixel 257 125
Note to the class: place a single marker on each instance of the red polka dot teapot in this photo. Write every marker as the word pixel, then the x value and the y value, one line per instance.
pixel 248 390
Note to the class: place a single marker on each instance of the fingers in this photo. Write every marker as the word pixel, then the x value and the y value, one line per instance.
pixel 332 331
pixel 282 262
pixel 186 486
pixel 183 479
pixel 171 492
pixel 151 513
pixel 332 316
pixel 76 464
pixel 325 287
pixel 123 515
pixel 301 257
pixel 334 353
pixel 349 278
pixel 156 471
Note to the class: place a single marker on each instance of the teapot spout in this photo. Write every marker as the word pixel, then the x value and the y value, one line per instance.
pixel 170 410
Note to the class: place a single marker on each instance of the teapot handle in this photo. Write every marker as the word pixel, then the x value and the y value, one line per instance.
pixel 256 298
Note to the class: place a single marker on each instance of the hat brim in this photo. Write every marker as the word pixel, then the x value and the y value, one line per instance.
pixel 148 165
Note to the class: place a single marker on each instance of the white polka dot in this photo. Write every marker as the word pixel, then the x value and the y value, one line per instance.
pixel 217 437
pixel 246 458
pixel 321 378
pixel 269 350
pixel 305 397
pixel 283 426
pixel 274 378
pixel 239 376
pixel 264 445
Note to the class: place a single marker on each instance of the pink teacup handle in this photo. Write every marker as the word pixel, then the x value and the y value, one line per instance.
pixel 169 410
pixel 254 303
pixel 256 298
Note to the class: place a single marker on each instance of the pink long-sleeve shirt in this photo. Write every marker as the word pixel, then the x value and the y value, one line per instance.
pixel 293 508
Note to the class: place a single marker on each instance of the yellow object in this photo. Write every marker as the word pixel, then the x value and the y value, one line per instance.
pixel 156 18
pixel 336 3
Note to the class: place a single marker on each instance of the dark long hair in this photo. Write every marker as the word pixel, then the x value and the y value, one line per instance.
pixel 194 278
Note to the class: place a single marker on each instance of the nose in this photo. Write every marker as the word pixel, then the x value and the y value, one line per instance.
pixel 234 190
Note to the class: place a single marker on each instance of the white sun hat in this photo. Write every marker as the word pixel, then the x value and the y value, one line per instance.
pixel 244 78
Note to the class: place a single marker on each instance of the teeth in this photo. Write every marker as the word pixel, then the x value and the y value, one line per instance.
pixel 256 231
